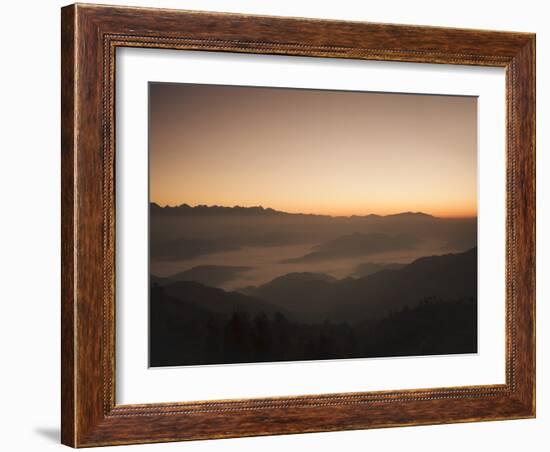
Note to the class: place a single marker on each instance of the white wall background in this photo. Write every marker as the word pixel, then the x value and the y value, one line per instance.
pixel 30 230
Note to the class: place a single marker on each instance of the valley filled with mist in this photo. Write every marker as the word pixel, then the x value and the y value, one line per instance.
pixel 237 284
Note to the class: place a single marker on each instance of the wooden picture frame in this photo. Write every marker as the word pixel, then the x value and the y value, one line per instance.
pixel 90 36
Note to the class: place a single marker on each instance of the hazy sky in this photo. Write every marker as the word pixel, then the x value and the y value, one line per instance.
pixel 311 151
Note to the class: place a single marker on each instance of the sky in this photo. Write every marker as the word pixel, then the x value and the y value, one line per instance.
pixel 312 151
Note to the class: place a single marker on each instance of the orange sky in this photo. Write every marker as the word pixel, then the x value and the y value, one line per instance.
pixel 311 151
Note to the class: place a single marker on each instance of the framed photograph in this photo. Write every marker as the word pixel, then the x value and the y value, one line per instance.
pixel 281 225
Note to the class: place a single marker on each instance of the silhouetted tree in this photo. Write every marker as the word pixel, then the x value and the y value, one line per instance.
pixel 185 333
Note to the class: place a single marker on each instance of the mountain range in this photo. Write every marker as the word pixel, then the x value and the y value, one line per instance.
pixel 356 244
pixel 186 233
pixel 201 209
pixel 426 307
pixel 315 297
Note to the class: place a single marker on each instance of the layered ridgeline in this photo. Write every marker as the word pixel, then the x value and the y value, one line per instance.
pixel 234 247
pixel 426 307
pixel 185 232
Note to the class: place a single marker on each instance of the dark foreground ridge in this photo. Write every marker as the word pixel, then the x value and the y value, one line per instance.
pixel 425 308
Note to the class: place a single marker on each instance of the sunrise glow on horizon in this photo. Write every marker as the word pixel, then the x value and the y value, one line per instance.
pixel 315 152
pixel 332 213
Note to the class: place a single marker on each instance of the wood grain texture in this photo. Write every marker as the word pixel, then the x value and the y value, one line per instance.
pixel 68 310
pixel 90 36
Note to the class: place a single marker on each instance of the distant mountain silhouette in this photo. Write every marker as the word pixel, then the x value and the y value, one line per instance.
pixel 448 277
pixel 185 232
pixel 357 244
pixel 415 215
pixel 368 268
pixel 201 209
pixel 209 275
pixel 186 209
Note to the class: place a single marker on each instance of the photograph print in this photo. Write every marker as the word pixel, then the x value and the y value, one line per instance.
pixel 297 224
